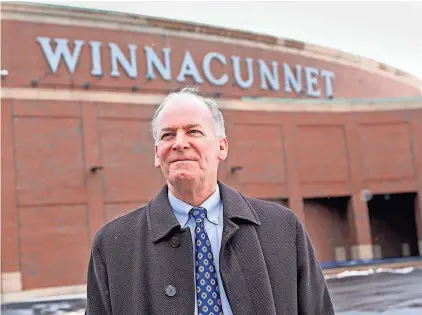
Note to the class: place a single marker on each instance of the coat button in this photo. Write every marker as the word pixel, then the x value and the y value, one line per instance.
pixel 174 242
pixel 171 290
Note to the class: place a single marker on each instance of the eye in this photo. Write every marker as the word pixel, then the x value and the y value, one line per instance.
pixel 195 131
pixel 166 135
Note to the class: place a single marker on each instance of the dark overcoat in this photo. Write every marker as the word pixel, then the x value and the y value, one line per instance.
pixel 142 262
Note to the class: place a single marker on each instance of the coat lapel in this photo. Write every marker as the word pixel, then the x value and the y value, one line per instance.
pixel 238 253
pixel 160 216
pixel 236 206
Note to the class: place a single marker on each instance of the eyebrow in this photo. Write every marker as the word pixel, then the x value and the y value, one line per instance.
pixel 189 126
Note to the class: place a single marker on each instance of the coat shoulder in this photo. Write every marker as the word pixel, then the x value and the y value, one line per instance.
pixel 271 210
pixel 275 217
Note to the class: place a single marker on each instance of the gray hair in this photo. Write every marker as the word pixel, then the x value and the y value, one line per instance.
pixel 212 105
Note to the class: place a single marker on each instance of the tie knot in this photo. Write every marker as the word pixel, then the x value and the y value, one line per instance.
pixel 199 214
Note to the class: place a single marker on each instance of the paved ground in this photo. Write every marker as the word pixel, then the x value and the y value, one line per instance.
pixel 381 293
pixel 375 294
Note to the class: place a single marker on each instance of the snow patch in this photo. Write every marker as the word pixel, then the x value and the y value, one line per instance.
pixel 367 272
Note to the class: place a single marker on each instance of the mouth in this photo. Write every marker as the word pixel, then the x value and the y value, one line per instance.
pixel 182 160
pixel 175 161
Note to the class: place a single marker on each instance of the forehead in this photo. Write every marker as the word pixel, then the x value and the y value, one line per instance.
pixel 183 111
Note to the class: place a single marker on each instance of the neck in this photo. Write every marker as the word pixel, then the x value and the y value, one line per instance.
pixel 194 195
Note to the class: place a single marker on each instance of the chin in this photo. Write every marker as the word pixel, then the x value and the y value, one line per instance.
pixel 181 177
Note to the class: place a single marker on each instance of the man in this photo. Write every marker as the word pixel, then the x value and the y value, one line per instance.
pixel 199 246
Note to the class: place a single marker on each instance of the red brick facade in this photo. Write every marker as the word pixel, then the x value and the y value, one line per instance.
pixel 304 155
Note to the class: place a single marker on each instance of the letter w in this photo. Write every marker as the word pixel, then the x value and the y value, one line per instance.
pixel 62 51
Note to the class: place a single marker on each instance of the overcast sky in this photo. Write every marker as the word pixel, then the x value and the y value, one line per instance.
pixel 389 32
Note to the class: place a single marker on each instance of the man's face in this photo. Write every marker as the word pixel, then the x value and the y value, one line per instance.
pixel 188 150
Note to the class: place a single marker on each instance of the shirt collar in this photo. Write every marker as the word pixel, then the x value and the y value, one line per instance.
pixel 181 209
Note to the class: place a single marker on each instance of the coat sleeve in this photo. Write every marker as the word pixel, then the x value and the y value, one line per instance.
pixel 98 299
pixel 313 295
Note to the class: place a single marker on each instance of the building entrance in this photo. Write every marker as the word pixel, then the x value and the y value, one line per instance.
pixel 393 225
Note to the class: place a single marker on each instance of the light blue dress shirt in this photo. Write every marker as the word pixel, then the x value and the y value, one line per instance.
pixel 214 229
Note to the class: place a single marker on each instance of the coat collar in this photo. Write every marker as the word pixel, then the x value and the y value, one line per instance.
pixel 161 219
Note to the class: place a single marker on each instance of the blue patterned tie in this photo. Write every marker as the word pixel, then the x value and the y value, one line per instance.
pixel 208 295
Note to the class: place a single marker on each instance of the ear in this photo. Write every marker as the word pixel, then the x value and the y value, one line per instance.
pixel 223 150
pixel 156 159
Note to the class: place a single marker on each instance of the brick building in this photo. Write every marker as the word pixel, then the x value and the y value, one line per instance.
pixel 78 91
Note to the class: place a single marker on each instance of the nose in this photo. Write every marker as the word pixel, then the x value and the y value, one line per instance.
pixel 180 142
